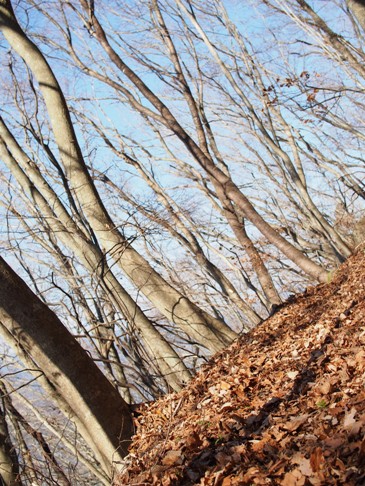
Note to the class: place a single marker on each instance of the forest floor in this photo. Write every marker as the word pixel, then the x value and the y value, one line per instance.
pixel 283 405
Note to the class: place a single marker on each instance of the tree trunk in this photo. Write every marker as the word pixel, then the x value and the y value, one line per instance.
pixel 217 177
pixel 67 231
pixel 105 417
pixel 358 9
pixel 9 466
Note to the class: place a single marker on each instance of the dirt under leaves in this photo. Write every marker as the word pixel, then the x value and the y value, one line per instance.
pixel 284 405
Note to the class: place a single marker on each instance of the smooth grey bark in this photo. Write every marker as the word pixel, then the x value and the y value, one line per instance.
pixel 58 432
pixel 276 149
pixel 179 231
pixel 62 405
pixel 204 329
pixel 207 142
pixel 106 421
pixel 290 164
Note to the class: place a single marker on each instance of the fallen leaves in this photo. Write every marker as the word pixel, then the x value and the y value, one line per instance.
pixel 292 374
pixel 285 405
pixel 352 425
pixel 295 422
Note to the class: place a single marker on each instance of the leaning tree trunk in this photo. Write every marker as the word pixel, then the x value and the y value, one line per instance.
pixel 219 179
pixel 102 415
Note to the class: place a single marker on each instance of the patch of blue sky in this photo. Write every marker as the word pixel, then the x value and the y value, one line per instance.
pixel 264 39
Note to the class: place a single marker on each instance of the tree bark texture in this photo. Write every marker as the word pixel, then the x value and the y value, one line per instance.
pixel 103 414
pixel 9 465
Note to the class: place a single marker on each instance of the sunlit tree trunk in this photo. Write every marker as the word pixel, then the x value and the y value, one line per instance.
pixel 219 179
pixel 103 416
pixel 44 447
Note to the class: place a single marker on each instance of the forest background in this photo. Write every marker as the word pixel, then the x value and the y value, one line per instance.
pixel 170 173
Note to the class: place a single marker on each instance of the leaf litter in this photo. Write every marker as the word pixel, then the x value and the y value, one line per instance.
pixel 283 405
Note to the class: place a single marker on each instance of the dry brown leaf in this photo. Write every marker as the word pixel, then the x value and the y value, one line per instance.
pixel 277 434
pixel 333 442
pixel 325 388
pixel 223 385
pixel 260 360
pixel 293 478
pixel 240 392
pixel 227 481
pixel 333 410
pixel 351 425
pixel 172 458
pixel 295 422
pixel 223 459
pixel 226 407
pixel 292 374
pixel 156 471
pixel 303 463
pixel 258 445
pixel 360 359
pixel 316 459
pixel 251 473
pixel 349 418
pixel 239 449
pixel 193 440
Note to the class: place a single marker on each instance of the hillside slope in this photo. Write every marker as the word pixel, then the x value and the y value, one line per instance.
pixel 284 405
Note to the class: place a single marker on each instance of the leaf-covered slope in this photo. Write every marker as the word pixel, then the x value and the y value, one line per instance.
pixel 283 405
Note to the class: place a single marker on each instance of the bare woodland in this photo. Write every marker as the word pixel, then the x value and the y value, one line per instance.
pixel 171 172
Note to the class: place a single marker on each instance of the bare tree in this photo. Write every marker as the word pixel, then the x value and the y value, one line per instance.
pixel 204 328
pixel 171 171
pixel 89 253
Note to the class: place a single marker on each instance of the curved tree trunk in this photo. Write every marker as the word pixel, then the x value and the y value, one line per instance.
pixel 104 416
